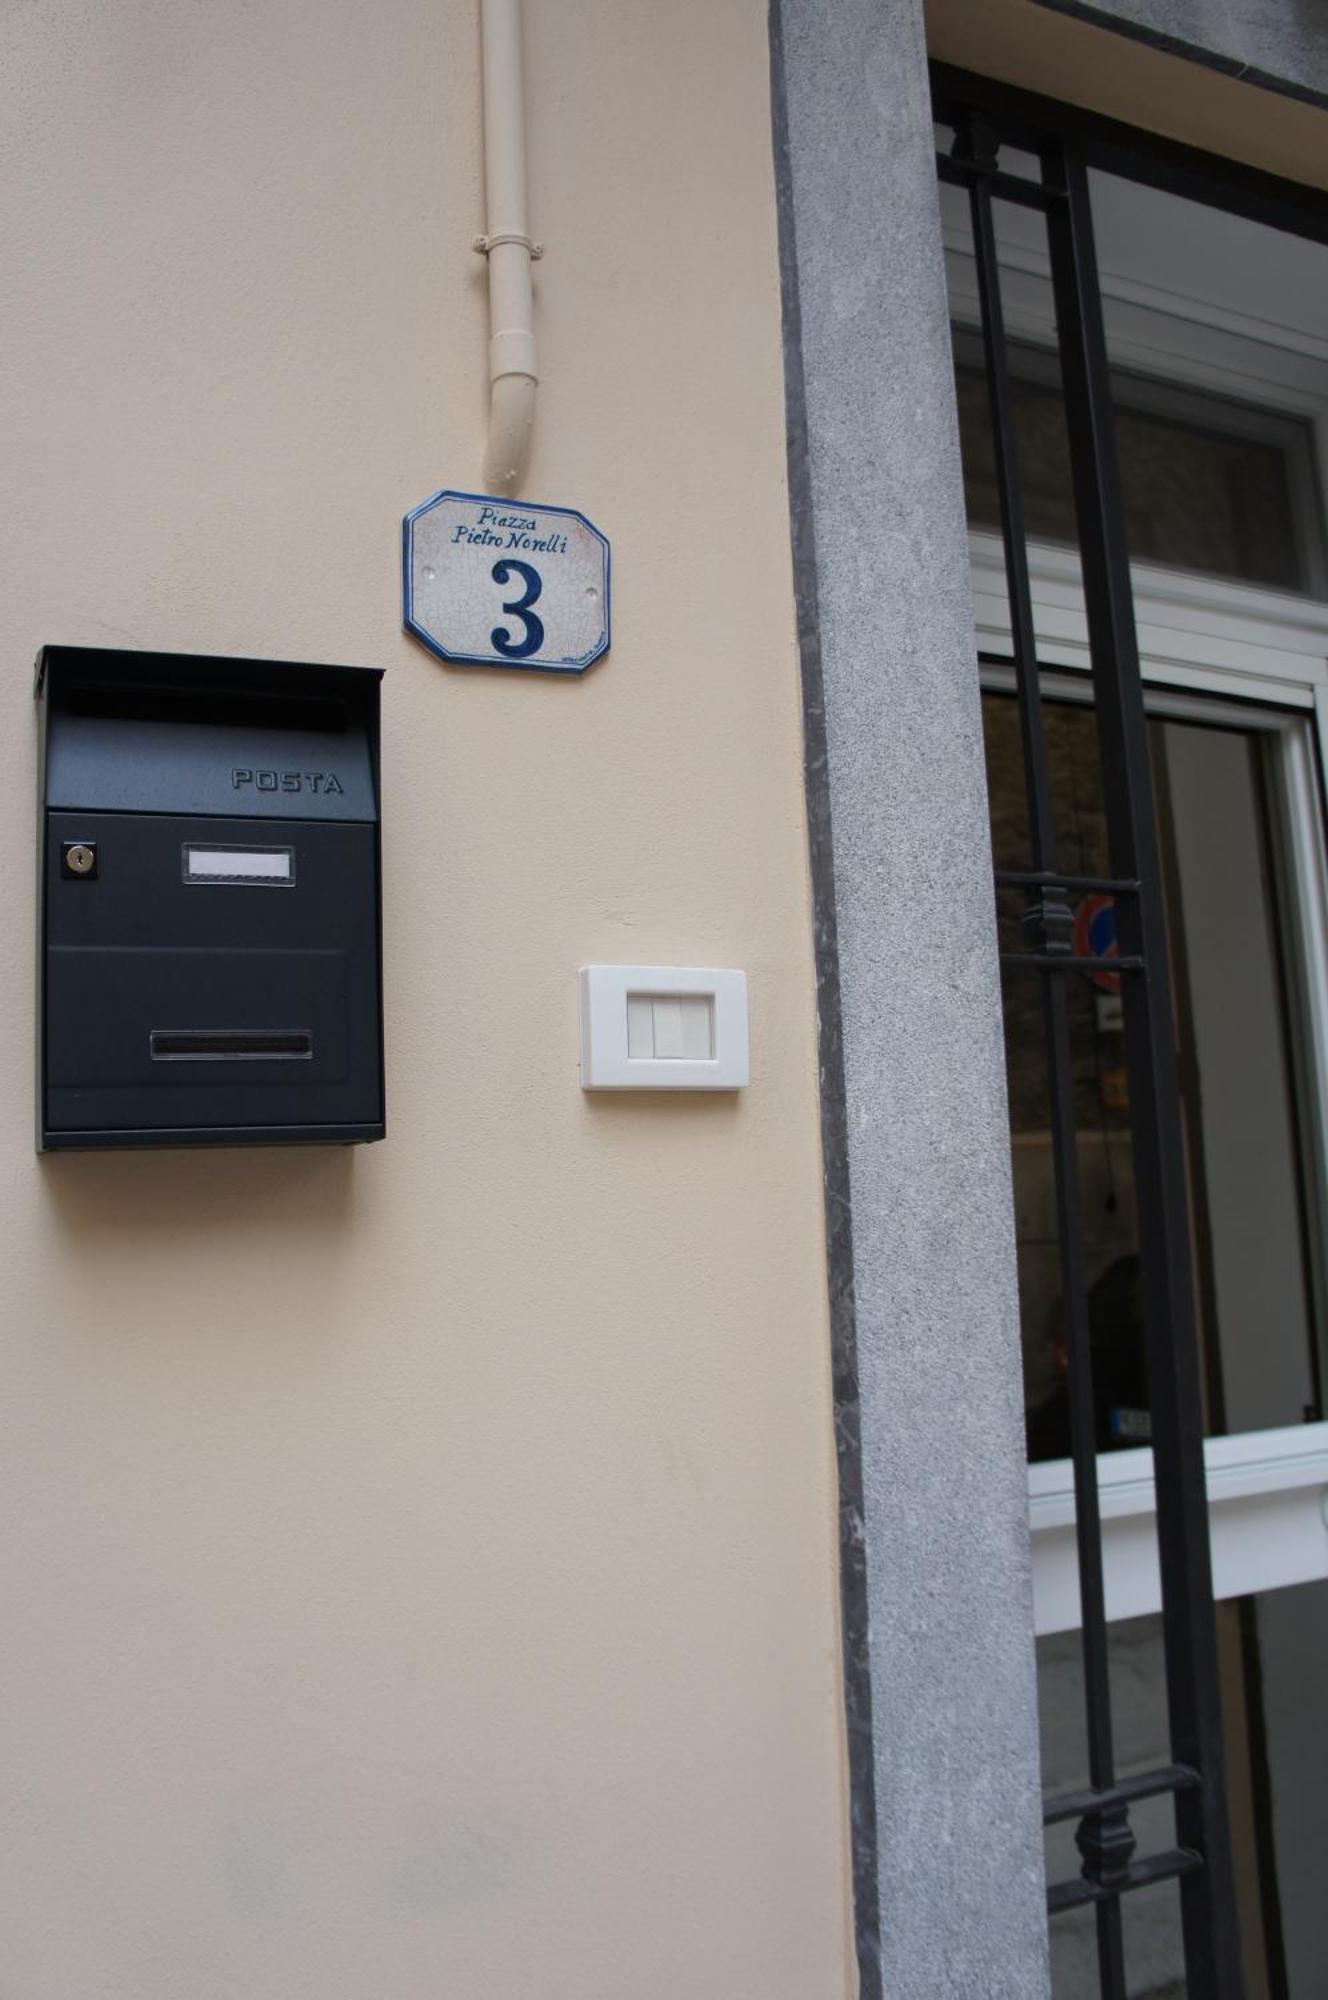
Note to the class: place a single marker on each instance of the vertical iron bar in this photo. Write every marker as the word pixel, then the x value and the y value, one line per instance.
pixel 1193 1694
pixel 1088 1525
pixel 1023 639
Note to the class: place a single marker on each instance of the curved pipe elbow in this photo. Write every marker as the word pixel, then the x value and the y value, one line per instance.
pixel 511 427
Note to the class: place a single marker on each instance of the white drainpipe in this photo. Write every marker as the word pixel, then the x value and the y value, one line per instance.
pixel 512 370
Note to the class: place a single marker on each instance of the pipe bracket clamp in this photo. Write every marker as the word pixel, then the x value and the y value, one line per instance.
pixel 484 244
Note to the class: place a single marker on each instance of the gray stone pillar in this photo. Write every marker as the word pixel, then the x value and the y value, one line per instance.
pixel 938 1606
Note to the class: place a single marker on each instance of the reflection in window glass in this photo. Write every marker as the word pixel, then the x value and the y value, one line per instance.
pixel 1242 1151
pixel 1196 497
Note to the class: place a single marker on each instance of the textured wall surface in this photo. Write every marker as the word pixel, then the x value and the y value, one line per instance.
pixel 932 1270
pixel 1072 50
pixel 1283 43
pixel 418 1563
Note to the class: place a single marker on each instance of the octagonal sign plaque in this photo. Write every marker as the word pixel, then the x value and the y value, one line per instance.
pixel 506 583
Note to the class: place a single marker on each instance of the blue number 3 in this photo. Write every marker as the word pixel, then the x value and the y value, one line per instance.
pixel 519 649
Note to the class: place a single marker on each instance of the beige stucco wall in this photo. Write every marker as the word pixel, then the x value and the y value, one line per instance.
pixel 419 1561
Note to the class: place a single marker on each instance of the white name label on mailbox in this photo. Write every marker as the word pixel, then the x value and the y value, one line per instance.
pixel 506 583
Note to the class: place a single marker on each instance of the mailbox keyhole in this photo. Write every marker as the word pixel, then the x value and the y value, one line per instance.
pixel 78 860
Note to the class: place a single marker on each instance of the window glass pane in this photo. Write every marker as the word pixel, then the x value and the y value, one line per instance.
pixel 1236 1086
pixel 1243 1151
pixel 1286 1634
pixel 1214 330
pixel 1232 312
pixel 1197 498
pixel 1228 307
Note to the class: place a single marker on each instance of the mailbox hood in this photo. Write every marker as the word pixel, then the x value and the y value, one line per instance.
pixel 182 732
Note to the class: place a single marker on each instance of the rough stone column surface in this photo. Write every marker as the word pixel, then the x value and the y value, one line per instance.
pixel 959 1850
pixel 1282 43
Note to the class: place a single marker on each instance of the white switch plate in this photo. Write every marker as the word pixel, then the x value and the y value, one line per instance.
pixel 663 1027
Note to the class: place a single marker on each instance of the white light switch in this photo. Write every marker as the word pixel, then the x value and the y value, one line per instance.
pixel 670 1027
pixel 652 1027
pixel 640 1026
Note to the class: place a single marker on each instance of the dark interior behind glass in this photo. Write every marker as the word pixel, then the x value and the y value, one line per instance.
pixel 1215 816
pixel 1197 495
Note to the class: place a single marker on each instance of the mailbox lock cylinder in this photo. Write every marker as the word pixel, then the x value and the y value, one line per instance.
pixel 78 858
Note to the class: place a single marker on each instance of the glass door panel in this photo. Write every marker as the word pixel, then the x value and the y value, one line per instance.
pixel 1249 1192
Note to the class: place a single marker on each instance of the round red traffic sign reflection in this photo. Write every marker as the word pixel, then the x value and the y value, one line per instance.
pixel 1095 937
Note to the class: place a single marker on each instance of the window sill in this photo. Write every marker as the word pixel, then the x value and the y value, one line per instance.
pixel 1268 1519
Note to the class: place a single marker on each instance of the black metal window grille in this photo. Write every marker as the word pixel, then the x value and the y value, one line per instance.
pixel 986 122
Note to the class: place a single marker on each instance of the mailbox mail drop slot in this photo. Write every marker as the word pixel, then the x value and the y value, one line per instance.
pixel 230 1045
pixel 183 1003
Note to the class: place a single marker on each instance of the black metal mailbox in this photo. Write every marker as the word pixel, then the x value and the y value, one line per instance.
pixel 209 906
